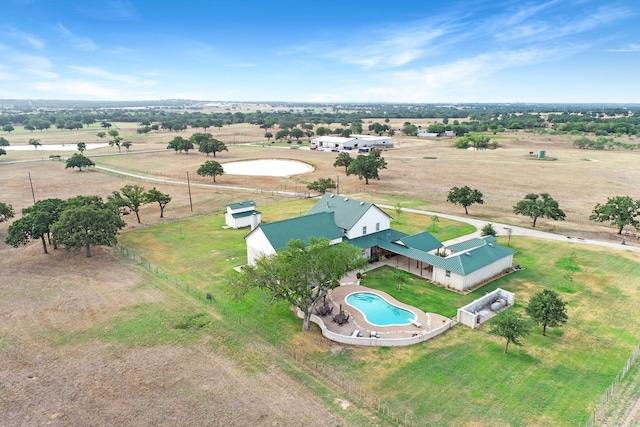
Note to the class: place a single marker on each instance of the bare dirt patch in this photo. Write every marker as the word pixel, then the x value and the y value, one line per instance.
pixel 91 382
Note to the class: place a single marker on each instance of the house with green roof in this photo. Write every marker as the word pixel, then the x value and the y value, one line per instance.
pixel 461 266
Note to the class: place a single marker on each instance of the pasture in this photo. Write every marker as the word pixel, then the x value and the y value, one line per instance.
pixel 94 322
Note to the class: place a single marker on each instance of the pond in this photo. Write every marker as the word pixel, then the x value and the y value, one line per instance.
pixel 267 167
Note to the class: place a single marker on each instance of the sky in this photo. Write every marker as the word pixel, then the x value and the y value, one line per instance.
pixel 396 51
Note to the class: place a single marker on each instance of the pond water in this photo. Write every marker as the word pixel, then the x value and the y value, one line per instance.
pixel 378 311
pixel 267 167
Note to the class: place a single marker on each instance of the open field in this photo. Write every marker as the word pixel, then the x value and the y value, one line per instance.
pixel 71 323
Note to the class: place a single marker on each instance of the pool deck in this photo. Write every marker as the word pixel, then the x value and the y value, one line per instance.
pixel 429 322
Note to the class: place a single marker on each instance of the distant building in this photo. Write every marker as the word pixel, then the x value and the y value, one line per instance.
pixel 352 142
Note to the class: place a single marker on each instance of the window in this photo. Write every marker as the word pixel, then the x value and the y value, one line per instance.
pixel 447 273
pixel 377 226
pixel 364 230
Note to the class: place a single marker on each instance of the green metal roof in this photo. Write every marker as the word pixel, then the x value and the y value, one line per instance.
pixel 372 239
pixel 239 205
pixel 422 241
pixel 243 214
pixel 347 211
pixel 303 227
pixel 460 262
pixel 471 243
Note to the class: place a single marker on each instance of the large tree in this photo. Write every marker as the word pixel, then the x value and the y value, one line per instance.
pixel 36 223
pixel 367 166
pixel 302 273
pixel 116 139
pixel 78 161
pixel 321 185
pixel 86 221
pixel 343 159
pixel 546 308
pixel 156 196
pixel 35 142
pixel 465 196
pixel 129 199
pixel 6 212
pixel 210 168
pixel 539 206
pixel 619 211
pixel 180 144
pixel 212 146
pixel 510 325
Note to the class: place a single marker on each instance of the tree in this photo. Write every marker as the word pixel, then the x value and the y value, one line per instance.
pixel 212 146
pixel 82 147
pixel 86 221
pixel 210 168
pixel 162 199
pixel 180 144
pixel 268 135
pixel 127 145
pixel 510 325
pixel 78 161
pixel 6 212
pixel 30 128
pixel 101 135
pixel 35 142
pixel 367 167
pixel 343 159
pixel 398 208
pixel 8 128
pixel 409 129
pixel 301 273
pixel 116 139
pixel 105 125
pixel 619 210
pixel 322 185
pixel 465 196
pixel 296 133
pixel 539 206
pixel 35 223
pixel 3 143
pixel 400 277
pixel 546 308
pixel 488 230
pixel 281 134
pixel 129 199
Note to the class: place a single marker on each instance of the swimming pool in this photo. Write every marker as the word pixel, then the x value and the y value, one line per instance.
pixel 378 311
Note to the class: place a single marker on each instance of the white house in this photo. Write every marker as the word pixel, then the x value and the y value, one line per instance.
pixel 338 218
pixel 352 142
pixel 330 142
pixel 242 214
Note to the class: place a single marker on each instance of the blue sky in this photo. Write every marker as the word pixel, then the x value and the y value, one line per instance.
pixel 322 51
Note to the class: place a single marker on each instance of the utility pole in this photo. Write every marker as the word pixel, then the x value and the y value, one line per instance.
pixel 189 187
pixel 338 185
pixel 32 193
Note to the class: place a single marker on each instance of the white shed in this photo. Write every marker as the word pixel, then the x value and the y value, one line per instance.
pixel 242 214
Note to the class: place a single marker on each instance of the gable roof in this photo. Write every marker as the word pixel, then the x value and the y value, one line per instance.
pixel 237 215
pixel 303 227
pixel 239 205
pixel 346 211
pixel 369 240
pixel 471 243
pixel 422 241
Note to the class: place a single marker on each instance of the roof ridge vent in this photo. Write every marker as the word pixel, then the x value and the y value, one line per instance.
pixel 346 199
pixel 332 196
pixel 361 203
pixel 490 244
pixel 467 253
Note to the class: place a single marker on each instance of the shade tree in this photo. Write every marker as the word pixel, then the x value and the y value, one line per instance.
pixel 87 221
pixel 301 273
pixel 35 142
pixel 6 212
pixel 3 143
pixel 78 161
pixel 539 206
pixel 36 223
pixel 512 326
pixel 210 168
pixel 156 196
pixel 321 185
pixel 546 308
pixel 343 159
pixel 129 199
pixel 367 166
pixel 465 196
pixel 620 211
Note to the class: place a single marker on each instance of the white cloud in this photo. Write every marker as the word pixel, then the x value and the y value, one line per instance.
pixel 631 47
pixel 79 42
pixel 32 61
pixel 81 89
pixel 26 38
pixel 106 75
pixel 43 74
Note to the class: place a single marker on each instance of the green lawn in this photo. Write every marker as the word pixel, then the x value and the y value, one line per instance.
pixel 463 376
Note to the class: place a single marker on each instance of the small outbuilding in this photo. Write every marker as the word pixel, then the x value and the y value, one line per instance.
pixel 242 214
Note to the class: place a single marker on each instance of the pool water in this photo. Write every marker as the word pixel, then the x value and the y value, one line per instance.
pixel 378 311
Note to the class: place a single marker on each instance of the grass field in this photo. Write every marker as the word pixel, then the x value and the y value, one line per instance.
pixel 106 313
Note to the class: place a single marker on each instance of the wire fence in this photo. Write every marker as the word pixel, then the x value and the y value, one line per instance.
pixel 598 414
pixel 355 391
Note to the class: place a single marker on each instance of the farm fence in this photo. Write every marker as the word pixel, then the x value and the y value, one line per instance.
pixel 355 391
pixel 598 414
